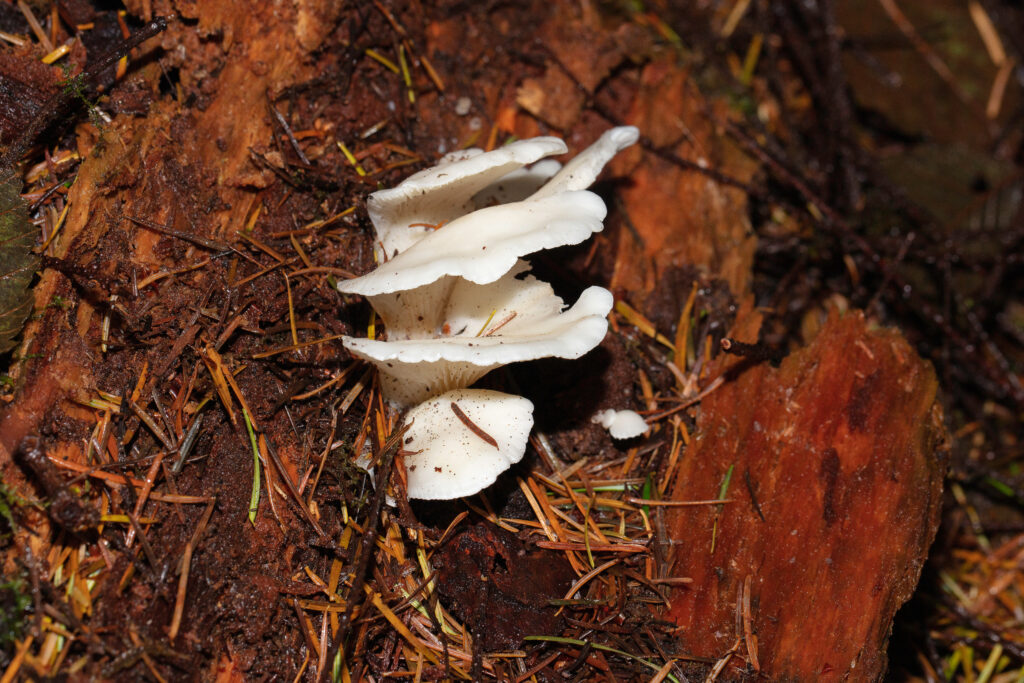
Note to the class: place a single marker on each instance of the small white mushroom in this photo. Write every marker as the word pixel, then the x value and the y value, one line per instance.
pixel 403 214
pixel 621 424
pixel 459 442
pixel 479 328
pixel 484 245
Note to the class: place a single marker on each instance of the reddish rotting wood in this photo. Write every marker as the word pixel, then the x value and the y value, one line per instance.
pixel 835 462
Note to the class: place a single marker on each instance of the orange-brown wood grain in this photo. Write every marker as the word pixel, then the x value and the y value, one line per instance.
pixel 836 477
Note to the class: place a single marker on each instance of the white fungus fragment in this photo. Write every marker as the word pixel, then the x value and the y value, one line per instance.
pixel 621 424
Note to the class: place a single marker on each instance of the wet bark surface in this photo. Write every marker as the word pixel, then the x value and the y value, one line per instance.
pixel 832 465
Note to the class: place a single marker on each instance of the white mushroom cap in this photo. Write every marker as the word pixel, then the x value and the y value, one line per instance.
pixel 452 307
pixel 621 424
pixel 483 334
pixel 582 171
pixel 449 455
pixel 469 179
pixel 444 192
pixel 484 245
pixel 518 185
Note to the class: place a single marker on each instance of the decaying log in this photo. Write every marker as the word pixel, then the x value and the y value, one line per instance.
pixel 835 470
pixel 834 464
pixel 205 176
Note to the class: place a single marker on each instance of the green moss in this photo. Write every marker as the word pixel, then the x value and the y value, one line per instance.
pixel 8 501
pixel 14 604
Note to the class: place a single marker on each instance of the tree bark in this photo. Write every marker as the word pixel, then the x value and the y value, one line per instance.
pixel 834 463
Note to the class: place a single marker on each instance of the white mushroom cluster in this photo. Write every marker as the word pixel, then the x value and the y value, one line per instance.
pixel 456 300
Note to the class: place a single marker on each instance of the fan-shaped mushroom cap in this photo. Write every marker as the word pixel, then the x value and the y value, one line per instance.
pixel 517 185
pixel 484 245
pixel 487 326
pixel 444 192
pixel 459 442
pixel 582 171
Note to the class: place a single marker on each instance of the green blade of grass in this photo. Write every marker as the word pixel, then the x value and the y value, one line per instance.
pixel 722 490
pixel 596 646
pixel 254 499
